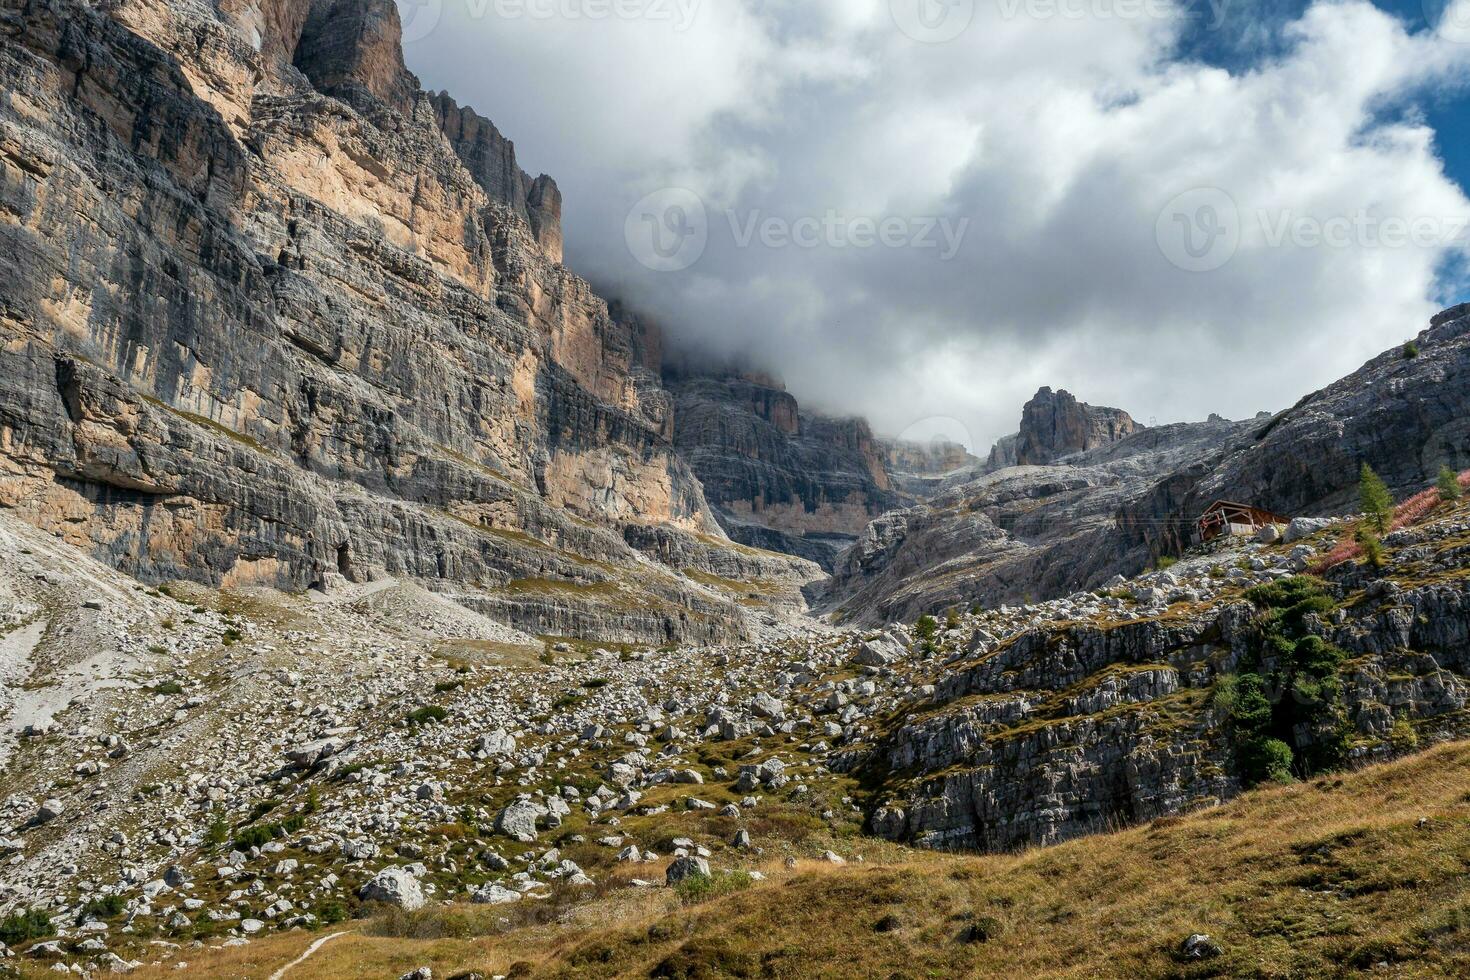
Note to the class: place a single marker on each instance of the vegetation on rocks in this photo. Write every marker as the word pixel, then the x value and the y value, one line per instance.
pixel 1284 705
pixel 1334 876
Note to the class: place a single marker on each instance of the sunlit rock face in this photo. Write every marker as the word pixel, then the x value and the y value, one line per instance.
pixel 274 316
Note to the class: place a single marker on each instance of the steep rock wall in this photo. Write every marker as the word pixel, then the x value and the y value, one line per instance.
pixel 256 333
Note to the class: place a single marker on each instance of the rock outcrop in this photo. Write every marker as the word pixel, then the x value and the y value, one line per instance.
pixel 491 159
pixel 1100 710
pixel 1056 424
pixel 263 326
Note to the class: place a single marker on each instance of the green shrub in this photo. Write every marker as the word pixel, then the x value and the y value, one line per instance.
pixel 1449 485
pixel 1267 760
pixel 1290 601
pixel 218 832
pixel 429 714
pixel 1224 694
pixel 702 888
pixel 1411 351
pixel 981 930
pixel 168 687
pixel 262 834
pixel 1402 736
pixel 24 926
pixel 253 837
pixel 331 913
pixel 431 922
pixel 1284 708
pixel 1372 548
pixel 106 907
pixel 927 629
pixel 1250 709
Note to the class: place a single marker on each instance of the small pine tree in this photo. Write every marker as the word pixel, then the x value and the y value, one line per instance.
pixel 1377 501
pixel 1449 485
pixel 1372 549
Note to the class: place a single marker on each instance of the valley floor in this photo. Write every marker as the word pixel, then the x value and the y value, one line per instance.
pixel 1364 873
pixel 240 782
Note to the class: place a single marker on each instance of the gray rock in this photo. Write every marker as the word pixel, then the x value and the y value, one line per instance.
pixel 1305 527
pixel 879 652
pixel 685 867
pixel 308 755
pixel 394 886
pixel 519 820
pixel 496 743
pixel 1199 947
pixel 493 894
pixel 765 706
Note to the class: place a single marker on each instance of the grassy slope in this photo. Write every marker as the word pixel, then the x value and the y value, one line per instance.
pixel 1316 879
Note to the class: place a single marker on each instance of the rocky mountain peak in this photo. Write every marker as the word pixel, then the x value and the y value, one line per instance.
pixel 351 47
pixel 1055 424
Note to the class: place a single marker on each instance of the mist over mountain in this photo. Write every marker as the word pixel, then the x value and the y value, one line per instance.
pixel 1059 150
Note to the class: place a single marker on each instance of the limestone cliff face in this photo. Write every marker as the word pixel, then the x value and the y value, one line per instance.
pixel 1064 727
pixel 1056 424
pixel 491 160
pixel 348 47
pixel 262 325
pixel 779 477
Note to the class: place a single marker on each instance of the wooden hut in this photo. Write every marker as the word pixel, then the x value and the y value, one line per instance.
pixel 1226 517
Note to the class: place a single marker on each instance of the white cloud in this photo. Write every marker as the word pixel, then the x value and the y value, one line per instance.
pixel 1061 139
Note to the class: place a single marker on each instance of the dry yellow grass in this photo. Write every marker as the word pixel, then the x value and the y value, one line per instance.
pixel 1327 878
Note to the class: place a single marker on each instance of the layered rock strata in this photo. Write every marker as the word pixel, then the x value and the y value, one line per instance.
pixel 779 477
pixel 263 326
